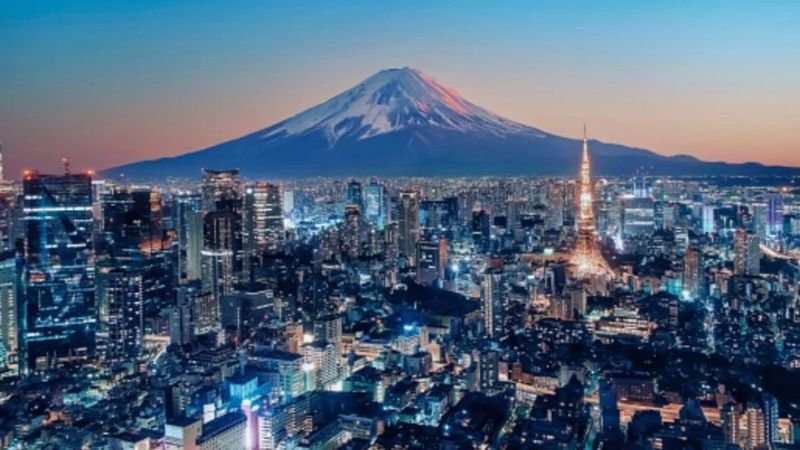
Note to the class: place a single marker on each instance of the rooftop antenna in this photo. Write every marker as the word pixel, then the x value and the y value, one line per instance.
pixel 65 161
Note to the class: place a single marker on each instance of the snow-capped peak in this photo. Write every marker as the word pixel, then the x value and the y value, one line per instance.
pixel 391 100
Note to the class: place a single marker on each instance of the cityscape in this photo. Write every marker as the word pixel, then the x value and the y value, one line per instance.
pixel 395 268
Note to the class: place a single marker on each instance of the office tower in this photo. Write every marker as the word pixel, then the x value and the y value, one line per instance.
pixel 123 293
pixel 758 218
pixel 1 162
pixel 220 190
pixel 693 282
pixel 322 362
pixel 408 224
pixel 354 194
pixel 60 312
pixel 492 303
pixel 375 204
pixel 747 253
pixel 220 246
pixel 708 219
pixel 774 220
pixel 273 221
pixel 181 319
pixel 431 259
pixel 189 230
pixel 9 304
pixel 351 231
pixel 254 227
pixel 288 202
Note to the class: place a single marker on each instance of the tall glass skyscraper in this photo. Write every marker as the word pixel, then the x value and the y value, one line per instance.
pixel 60 316
pixel 375 204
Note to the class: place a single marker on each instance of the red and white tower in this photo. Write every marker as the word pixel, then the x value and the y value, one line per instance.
pixel 587 259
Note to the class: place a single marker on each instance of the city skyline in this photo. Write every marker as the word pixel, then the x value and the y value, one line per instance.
pixel 105 85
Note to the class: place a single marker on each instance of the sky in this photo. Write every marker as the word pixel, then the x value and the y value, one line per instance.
pixel 109 82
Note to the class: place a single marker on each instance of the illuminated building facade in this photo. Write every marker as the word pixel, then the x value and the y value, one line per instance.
pixel 60 316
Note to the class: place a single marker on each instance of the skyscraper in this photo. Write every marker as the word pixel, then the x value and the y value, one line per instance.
pixel 492 303
pixel 273 218
pixel 408 223
pixel 9 298
pixel 220 246
pixel 351 231
pixel 693 274
pixel 220 189
pixel 747 253
pixel 375 204
pixel 431 259
pixel 60 313
pixel 354 194
pixel 254 227
pixel 125 314
pixel 189 230
pixel 708 224
pixel 774 224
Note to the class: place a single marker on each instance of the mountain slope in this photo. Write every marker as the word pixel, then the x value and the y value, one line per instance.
pixel 403 122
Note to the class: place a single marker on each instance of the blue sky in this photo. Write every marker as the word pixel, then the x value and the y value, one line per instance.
pixel 107 82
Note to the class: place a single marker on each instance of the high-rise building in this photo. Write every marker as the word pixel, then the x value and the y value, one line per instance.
pixel 329 329
pixel 758 220
pixel 322 362
pixel 747 253
pixel 60 316
pixel 181 319
pixel 221 244
pixel 354 194
pixel 254 228
pixel 431 259
pixel 351 231
pixel 220 190
pixel 123 293
pixel 375 204
pixel 273 219
pixel 771 416
pixel 693 280
pixel 774 213
pixel 9 304
pixel 189 229
pixel 730 423
pixel 408 223
pixel 709 225
pixel 492 303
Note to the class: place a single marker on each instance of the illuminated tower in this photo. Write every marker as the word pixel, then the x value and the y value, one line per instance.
pixel 586 258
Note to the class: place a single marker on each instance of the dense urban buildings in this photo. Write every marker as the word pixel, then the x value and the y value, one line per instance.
pixel 400 313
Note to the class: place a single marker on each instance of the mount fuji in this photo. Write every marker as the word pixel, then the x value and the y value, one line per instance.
pixel 401 122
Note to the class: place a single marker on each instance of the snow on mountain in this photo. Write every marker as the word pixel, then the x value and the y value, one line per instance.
pixel 391 100
pixel 401 122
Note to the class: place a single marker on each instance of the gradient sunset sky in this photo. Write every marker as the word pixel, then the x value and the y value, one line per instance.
pixel 108 82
